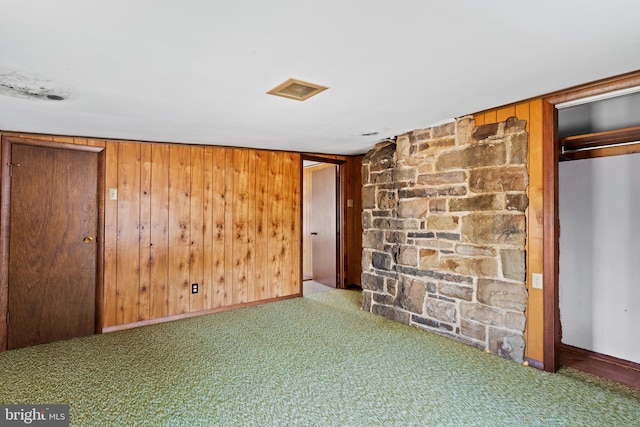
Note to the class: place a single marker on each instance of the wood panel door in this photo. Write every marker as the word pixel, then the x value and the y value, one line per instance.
pixel 324 225
pixel 52 244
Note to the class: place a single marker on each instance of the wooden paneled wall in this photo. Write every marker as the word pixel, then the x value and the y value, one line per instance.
pixel 354 245
pixel 531 111
pixel 228 219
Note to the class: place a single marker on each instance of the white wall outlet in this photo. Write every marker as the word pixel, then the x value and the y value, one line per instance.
pixel 113 194
pixel 536 281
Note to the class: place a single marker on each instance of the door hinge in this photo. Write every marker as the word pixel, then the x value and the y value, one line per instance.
pixel 11 165
pixel 7 317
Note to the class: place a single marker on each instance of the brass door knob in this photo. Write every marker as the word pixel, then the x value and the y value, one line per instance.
pixel 88 239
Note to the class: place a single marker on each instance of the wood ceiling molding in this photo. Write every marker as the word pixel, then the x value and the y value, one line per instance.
pixel 596 88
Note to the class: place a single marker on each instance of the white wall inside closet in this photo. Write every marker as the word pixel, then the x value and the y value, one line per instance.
pixel 599 283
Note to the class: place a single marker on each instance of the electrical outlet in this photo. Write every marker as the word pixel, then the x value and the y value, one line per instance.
pixel 113 194
pixel 194 288
pixel 536 281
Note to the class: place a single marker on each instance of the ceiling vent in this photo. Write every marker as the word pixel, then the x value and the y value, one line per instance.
pixel 297 89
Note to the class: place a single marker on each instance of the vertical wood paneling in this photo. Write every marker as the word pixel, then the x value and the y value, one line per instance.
pixel 159 262
pixel 208 227
pixel 110 232
pixel 229 225
pixel 291 218
pixel 145 231
pixel 196 256
pixel 241 250
pixel 276 244
pixel 65 139
pixel 346 227
pixel 250 257
pixel 226 218
pixel 522 113
pixel 128 247
pixel 219 248
pixel 354 246
pixel 535 229
pixel 261 231
pixel 110 237
pixel 490 117
pixel 504 113
pixel 179 230
pixel 36 136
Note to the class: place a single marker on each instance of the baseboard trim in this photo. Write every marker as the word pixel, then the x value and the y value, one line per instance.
pixel 535 363
pixel 610 367
pixel 194 314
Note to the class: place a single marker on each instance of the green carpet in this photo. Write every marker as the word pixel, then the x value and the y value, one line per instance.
pixel 314 361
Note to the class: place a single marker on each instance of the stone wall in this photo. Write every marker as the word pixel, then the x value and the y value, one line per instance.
pixel 444 232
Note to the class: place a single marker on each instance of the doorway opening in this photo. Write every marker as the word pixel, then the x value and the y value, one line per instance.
pixel 589 193
pixel 51 252
pixel 322 225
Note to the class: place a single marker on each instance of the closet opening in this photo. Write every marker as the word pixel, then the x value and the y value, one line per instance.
pixel 597 254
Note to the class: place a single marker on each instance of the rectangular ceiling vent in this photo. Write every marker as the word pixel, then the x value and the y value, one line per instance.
pixel 297 89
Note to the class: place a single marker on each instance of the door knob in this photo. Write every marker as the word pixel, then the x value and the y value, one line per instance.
pixel 88 239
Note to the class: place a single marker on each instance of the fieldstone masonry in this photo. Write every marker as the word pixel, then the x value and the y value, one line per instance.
pixel 444 232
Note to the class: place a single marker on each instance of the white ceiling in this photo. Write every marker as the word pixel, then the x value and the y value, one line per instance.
pixel 196 71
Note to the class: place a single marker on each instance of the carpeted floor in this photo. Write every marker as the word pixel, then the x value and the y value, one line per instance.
pixel 313 361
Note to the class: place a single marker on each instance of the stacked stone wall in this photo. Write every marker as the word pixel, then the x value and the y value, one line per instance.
pixel 444 232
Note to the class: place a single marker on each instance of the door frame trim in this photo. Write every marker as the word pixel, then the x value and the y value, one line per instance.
pixel 341 215
pixel 5 212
